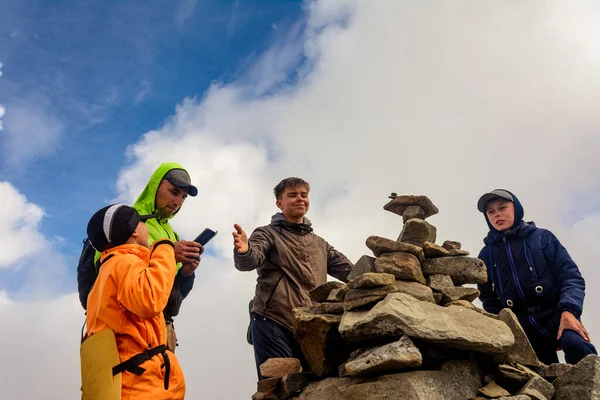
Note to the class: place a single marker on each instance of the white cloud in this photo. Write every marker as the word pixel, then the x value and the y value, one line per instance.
pixel 1 65
pixel 19 226
pixel 447 99
pixel 31 130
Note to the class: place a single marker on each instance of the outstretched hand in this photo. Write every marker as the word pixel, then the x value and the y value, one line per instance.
pixel 568 321
pixel 240 239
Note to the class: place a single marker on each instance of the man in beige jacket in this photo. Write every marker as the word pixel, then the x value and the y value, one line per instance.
pixel 290 260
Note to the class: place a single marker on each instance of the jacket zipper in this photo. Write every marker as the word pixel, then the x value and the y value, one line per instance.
pixel 513 269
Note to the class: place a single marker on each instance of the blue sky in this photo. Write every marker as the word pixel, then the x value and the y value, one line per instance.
pixel 82 80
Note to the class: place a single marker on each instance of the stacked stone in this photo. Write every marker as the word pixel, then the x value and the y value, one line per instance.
pixel 404 327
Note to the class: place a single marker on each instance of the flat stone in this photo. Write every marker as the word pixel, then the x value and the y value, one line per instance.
pixel 331 308
pixel 337 295
pixel 457 380
pixel 470 306
pixel 379 245
pixel 416 290
pixel 516 372
pixel 459 252
pixel 399 205
pixel 320 293
pixel 451 245
pixel 521 352
pixel 400 314
pixel 278 367
pixel 384 359
pixel 412 212
pixel 363 265
pixel 371 279
pixel 328 389
pixel 492 389
pixel 461 269
pixel 319 339
pixel 582 382
pixel 360 298
pixel 433 250
pixel 266 385
pixel 553 371
pixel 439 282
pixel 403 266
pixel 538 389
pixel 271 395
pixel 417 231
pixel 292 383
pixel 517 397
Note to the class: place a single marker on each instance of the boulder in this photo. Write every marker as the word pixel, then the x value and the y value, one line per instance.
pixel 359 298
pixel 379 246
pixel 416 290
pixel 371 279
pixel 417 231
pixel 320 293
pixel 363 265
pixel 399 204
pixel 461 269
pixel 403 266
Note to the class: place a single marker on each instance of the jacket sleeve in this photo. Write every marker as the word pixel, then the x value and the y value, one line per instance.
pixel 572 284
pixel 489 298
pixel 181 288
pixel 144 288
pixel 259 245
pixel 338 264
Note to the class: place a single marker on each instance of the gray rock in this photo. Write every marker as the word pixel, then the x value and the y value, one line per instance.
pixel 384 359
pixel 538 389
pixel 292 383
pixel 492 389
pixel 320 293
pixel 457 380
pixel 400 314
pixel 439 282
pixel 363 265
pixel 517 397
pixel 379 246
pixel 328 389
pixel 399 204
pixel 553 371
pixel 319 339
pixel 337 295
pixel 371 279
pixel 416 290
pixel 403 266
pixel 360 298
pixel 521 352
pixel 451 245
pixel 412 212
pixel 461 269
pixel 444 285
pixel 417 231
pixel 438 298
pixel 470 306
pixel 582 382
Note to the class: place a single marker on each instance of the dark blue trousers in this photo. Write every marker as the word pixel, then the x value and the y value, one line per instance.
pixel 573 345
pixel 271 340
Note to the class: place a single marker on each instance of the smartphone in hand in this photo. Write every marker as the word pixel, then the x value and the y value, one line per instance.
pixel 206 235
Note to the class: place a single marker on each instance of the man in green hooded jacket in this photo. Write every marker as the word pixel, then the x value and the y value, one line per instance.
pixel 165 193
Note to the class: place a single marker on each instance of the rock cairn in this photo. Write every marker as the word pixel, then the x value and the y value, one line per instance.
pixel 404 328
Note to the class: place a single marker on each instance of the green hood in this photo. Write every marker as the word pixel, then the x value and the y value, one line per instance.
pixel 146 202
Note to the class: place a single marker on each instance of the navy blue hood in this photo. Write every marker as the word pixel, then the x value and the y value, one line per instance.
pixel 495 234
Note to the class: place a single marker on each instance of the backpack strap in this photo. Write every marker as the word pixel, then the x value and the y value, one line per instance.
pixel 133 364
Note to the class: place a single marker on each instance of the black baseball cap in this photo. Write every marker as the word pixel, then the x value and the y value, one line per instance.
pixel 494 194
pixel 113 225
pixel 180 178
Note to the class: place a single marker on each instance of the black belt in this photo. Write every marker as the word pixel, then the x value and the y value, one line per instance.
pixel 133 364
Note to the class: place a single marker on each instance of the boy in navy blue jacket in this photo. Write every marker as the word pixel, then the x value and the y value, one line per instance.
pixel 530 272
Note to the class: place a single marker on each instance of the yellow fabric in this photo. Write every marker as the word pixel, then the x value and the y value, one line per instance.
pixel 99 355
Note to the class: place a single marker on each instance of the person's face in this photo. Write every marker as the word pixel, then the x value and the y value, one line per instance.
pixel 501 213
pixel 169 199
pixel 294 203
pixel 142 234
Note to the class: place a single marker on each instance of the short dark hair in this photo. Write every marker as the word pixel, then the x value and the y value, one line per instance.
pixel 291 182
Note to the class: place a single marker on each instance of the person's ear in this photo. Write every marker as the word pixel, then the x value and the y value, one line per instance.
pixel 278 204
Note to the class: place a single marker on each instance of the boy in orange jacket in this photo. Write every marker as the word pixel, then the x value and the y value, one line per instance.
pixel 128 297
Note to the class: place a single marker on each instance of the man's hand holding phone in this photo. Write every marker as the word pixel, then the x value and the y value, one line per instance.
pixel 188 254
